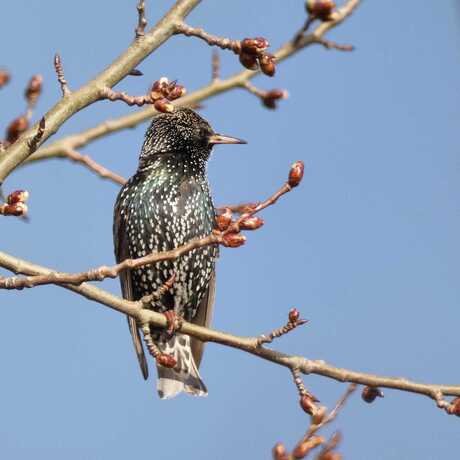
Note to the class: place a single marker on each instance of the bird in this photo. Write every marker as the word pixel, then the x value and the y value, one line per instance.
pixel 165 204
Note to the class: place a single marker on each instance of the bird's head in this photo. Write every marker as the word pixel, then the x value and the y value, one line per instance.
pixel 184 133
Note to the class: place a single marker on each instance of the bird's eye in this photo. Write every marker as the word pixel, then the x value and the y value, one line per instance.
pixel 204 133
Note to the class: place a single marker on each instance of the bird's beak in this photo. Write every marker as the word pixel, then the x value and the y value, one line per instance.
pixel 220 139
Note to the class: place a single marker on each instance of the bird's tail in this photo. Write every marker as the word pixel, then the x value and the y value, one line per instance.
pixel 184 376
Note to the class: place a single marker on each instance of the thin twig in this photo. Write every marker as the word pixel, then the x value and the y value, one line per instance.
pixel 100 170
pixel 141 22
pixel 215 64
pixel 60 75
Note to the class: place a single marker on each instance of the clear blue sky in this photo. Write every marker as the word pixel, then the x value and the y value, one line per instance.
pixel 367 248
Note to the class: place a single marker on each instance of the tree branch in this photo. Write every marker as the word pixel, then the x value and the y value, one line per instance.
pixel 213 89
pixel 89 93
pixel 247 344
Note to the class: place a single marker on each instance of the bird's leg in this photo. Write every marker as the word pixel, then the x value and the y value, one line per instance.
pixel 174 322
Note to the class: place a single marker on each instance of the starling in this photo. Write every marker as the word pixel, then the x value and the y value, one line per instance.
pixel 164 205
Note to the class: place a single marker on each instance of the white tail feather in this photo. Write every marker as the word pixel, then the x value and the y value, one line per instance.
pixel 185 375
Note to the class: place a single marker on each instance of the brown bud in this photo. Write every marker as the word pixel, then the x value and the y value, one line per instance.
pixel 166 361
pixel 308 405
pixel 279 451
pixel 34 89
pixel 369 394
pixel 454 408
pixel 294 315
pixel 330 456
pixel 320 9
pixel 249 61
pixel 224 220
pixel 267 64
pixel 296 173
pixel 254 45
pixel 16 209
pixel 305 447
pixel 318 416
pixel 16 128
pixel 177 92
pixel 233 240
pixel 271 97
pixel 4 78
pixel 251 223
pixel 163 105
pixel 18 196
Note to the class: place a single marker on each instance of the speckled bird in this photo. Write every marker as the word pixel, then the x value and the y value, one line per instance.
pixel 164 205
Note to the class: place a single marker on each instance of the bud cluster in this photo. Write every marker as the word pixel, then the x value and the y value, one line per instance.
pixel 320 9
pixel 15 204
pixel 163 91
pixel 253 55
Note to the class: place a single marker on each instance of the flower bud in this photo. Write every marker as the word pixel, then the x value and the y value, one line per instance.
pixel 318 416
pixel 34 89
pixel 176 92
pixel 163 105
pixel 267 64
pixel 321 9
pixel 305 447
pixel 271 97
pixel 307 404
pixel 16 128
pixel 224 220
pixel 254 45
pixel 18 196
pixel 330 456
pixel 279 451
pixel 166 361
pixel 296 173
pixel 16 209
pixel 294 315
pixel 251 223
pixel 233 240
pixel 369 394
pixel 455 407
pixel 4 78
pixel 249 61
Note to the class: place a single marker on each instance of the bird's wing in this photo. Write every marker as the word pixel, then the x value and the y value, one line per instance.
pixel 121 253
pixel 203 317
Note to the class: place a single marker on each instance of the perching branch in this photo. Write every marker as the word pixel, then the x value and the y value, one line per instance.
pixel 90 93
pixel 247 344
pixel 215 88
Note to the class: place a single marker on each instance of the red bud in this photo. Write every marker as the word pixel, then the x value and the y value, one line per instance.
pixel 16 128
pixel 4 78
pixel 249 61
pixel 251 223
pixel 294 315
pixel 224 220
pixel 307 404
pixel 16 209
pixel 233 240
pixel 254 45
pixel 279 452
pixel 34 89
pixel 455 407
pixel 177 92
pixel 369 394
pixel 267 64
pixel 163 105
pixel 321 9
pixel 166 361
pixel 17 196
pixel 296 174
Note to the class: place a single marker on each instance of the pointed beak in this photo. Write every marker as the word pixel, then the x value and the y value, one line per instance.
pixel 220 139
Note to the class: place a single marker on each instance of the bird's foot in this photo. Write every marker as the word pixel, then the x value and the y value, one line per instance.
pixel 174 322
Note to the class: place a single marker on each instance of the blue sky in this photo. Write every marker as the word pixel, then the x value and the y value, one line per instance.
pixel 367 248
